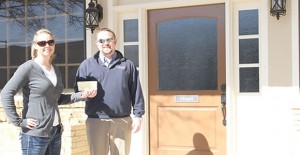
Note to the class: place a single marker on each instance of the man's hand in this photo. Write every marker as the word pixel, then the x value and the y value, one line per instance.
pixel 89 94
pixel 136 124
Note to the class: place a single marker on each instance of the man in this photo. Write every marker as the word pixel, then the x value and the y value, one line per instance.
pixel 109 124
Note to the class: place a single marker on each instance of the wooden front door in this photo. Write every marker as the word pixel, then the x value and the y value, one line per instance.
pixel 186 71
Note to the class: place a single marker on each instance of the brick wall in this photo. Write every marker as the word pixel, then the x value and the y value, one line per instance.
pixel 74 141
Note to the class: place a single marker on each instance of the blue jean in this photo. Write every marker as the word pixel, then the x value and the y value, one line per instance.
pixel 33 145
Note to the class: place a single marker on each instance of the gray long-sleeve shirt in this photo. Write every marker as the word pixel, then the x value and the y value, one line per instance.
pixel 40 98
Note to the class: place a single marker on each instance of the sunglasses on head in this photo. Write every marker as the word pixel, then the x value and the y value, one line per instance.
pixel 43 43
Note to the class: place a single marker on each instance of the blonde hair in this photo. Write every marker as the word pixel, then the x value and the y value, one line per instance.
pixel 33 50
pixel 108 30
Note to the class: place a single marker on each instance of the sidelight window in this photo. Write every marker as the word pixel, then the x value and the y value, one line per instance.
pixel 248 51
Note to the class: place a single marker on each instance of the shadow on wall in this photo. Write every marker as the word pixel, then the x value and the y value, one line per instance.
pixel 201 145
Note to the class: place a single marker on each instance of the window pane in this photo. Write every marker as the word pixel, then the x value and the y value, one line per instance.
pixel 12 71
pixel 2 10
pixel 55 7
pixel 75 26
pixel 72 72
pixel 35 24
pixel 36 8
pixel 74 6
pixel 16 9
pixel 57 26
pixel 131 52
pixel 17 54
pixel 76 54
pixel 17 31
pixel 249 79
pixel 3 55
pixel 60 52
pixel 3 31
pixel 193 53
pixel 63 74
pixel 248 51
pixel 3 77
pixel 248 22
pixel 131 30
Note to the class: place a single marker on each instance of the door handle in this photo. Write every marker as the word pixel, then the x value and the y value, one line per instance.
pixel 223 102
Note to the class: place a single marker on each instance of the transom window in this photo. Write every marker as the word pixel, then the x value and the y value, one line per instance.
pixel 20 19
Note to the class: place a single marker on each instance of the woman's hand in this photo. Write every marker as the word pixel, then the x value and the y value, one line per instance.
pixel 31 123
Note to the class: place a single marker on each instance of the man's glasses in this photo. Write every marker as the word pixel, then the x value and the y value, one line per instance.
pixel 43 43
pixel 109 40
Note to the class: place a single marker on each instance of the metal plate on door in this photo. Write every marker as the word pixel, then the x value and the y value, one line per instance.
pixel 187 98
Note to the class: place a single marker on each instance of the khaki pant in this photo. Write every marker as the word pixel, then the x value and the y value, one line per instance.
pixel 109 135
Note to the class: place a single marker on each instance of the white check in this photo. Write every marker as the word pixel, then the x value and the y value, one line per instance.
pixel 87 85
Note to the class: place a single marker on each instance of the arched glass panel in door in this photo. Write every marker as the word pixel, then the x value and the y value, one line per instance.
pixel 187 54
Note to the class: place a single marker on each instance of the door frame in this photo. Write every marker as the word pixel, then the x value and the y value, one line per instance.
pixel 156 95
pixel 141 11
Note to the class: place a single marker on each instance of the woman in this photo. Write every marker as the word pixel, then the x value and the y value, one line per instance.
pixel 42 88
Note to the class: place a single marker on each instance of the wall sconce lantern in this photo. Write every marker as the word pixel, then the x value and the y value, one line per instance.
pixel 93 15
pixel 278 8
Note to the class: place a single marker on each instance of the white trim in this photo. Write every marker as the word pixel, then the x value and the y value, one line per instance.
pixel 263 44
pixel 88 46
pixel 230 99
pixel 143 38
pixel 295 44
pixel 165 4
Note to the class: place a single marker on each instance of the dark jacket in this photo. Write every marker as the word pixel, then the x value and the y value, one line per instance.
pixel 119 88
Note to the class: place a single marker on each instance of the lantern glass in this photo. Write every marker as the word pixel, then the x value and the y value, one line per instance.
pixel 93 15
pixel 278 8
pixel 92 18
